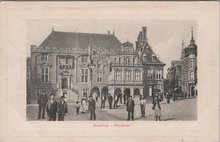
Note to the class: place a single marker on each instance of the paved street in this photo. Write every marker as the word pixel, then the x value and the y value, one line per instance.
pixel 180 110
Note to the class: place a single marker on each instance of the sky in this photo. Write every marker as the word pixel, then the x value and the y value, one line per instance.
pixel 164 36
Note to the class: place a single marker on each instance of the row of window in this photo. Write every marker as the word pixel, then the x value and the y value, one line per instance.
pixel 85 76
pixel 126 60
pixel 128 75
pixel 157 74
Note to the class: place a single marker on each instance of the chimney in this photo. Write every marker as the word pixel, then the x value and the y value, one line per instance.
pixel 108 32
pixel 136 44
pixel 141 35
pixel 144 36
pixel 33 47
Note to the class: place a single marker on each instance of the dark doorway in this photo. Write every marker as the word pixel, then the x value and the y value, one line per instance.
pixel 137 93
pixel 64 83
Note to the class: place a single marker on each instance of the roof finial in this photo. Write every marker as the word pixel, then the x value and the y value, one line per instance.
pixel 52 28
pixel 113 32
pixel 192 38
pixel 127 39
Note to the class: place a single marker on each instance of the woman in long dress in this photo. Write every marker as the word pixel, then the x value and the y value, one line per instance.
pixel 156 107
pixel 83 105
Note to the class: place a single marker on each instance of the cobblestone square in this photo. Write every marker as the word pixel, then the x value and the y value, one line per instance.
pixel 180 110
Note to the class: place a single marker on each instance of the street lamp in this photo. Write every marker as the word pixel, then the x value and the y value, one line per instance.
pixel 91 66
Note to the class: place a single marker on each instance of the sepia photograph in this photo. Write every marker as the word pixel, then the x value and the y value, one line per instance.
pixel 110 70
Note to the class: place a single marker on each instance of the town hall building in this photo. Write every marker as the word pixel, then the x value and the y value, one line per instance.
pixel 75 63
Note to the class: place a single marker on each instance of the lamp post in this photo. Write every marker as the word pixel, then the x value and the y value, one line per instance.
pixel 91 66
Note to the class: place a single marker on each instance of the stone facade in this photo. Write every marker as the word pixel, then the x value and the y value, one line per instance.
pixel 60 65
pixel 186 71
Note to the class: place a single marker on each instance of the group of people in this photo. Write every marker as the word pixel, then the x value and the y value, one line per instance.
pixel 52 107
pixel 87 104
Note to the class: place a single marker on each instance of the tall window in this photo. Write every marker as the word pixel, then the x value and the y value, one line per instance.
pixel 127 60
pixel 137 74
pixel 192 75
pixel 193 62
pixel 84 75
pixel 158 74
pixel 128 75
pixel 45 74
pixel 118 75
pixel 44 57
pixel 150 74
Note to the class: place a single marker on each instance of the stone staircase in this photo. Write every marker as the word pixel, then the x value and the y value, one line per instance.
pixel 72 95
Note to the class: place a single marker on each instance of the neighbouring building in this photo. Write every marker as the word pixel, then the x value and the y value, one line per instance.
pixel 76 63
pixel 28 76
pixel 182 74
pixel 174 76
pixel 189 68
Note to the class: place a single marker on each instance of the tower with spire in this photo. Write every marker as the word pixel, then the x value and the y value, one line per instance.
pixel 189 67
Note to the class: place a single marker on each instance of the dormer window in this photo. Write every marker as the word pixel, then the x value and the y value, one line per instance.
pixel 153 57
pixel 44 57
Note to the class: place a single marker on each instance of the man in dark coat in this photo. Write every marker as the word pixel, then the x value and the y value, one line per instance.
pixel 42 101
pixel 51 108
pixel 92 108
pixel 130 108
pixel 62 109
pixel 110 101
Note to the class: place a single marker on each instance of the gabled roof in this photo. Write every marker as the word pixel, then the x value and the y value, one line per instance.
pixel 81 40
pixel 127 43
pixel 151 56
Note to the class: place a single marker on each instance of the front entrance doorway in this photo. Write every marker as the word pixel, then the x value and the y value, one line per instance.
pixel 64 84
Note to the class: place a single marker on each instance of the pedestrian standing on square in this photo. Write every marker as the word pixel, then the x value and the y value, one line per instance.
pixel 124 98
pixel 115 101
pixel 42 101
pixel 62 109
pixel 120 97
pixel 156 107
pixel 130 108
pixel 110 100
pixel 168 97
pixel 83 104
pixel 51 108
pixel 103 101
pixel 142 105
pixel 77 107
pixel 92 108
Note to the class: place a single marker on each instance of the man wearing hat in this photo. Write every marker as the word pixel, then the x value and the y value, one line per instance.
pixel 42 101
pixel 130 108
pixel 92 108
pixel 51 108
pixel 62 109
